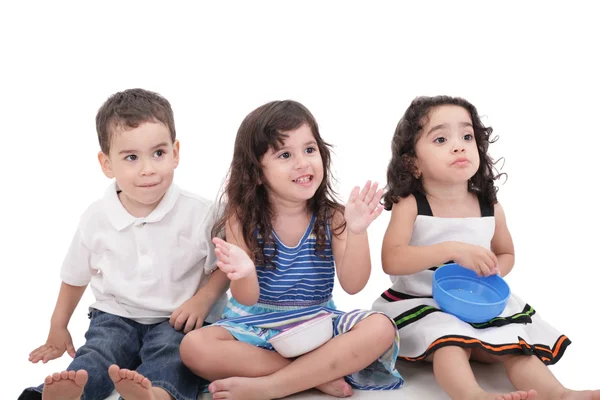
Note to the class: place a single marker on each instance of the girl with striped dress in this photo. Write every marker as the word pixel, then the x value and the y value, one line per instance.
pixel 286 237
pixel 444 208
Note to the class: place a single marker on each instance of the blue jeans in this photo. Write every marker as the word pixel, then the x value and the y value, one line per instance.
pixel 151 350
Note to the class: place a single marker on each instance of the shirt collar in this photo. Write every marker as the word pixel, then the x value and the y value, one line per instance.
pixel 120 218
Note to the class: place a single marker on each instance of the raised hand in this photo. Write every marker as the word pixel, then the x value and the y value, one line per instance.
pixel 232 260
pixel 363 207
pixel 59 340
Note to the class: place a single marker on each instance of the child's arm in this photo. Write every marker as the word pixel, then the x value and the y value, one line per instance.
pixel 502 244
pixel 351 247
pixel 398 258
pixel 234 260
pixel 59 339
pixel 191 314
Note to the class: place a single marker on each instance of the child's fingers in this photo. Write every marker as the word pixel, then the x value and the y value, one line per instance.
pixel 489 262
pixel 364 191
pixel 353 194
pixel 226 248
pixel 221 256
pixel 189 325
pixel 377 212
pixel 371 193
pixel 51 356
pixel 35 352
pixel 42 354
pixel 378 196
pixel 173 318
pixel 494 259
pixel 485 269
pixel 180 320
pixel 218 241
pixel 374 202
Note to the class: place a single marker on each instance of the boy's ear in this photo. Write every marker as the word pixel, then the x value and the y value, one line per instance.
pixel 105 165
pixel 176 152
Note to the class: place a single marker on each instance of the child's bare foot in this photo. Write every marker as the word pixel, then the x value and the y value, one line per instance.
pixel 336 388
pixel 518 395
pixel 578 395
pixel 240 389
pixel 130 384
pixel 65 385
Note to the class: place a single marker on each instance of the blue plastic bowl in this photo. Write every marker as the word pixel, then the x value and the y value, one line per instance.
pixel 460 292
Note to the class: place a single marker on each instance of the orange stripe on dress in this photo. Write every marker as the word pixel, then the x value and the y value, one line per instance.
pixel 558 345
pixel 487 346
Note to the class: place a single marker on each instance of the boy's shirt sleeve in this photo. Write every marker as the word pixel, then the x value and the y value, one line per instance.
pixel 210 261
pixel 76 269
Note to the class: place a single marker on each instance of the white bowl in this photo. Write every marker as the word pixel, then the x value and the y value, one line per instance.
pixel 303 337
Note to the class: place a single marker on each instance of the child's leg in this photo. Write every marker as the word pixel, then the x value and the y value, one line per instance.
pixel 453 372
pixel 529 372
pixel 213 353
pixel 342 355
pixel 161 374
pixel 106 343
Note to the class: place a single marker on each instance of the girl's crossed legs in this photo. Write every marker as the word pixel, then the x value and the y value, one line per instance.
pixel 243 371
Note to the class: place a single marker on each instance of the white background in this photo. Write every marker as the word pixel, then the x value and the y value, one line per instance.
pixel 530 69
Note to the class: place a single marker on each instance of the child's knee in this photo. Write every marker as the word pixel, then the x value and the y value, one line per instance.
pixel 384 331
pixel 192 347
pixel 199 346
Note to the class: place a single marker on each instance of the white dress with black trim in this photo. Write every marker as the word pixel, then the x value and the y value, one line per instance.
pixel 424 328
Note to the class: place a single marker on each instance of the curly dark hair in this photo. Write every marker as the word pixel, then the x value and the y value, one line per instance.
pixel 244 195
pixel 401 181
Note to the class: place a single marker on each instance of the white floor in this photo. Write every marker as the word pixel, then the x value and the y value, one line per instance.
pixel 420 384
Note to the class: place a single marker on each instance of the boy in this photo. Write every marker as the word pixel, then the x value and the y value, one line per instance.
pixel 145 250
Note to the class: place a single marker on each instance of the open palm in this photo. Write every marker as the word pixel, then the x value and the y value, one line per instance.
pixel 232 260
pixel 363 207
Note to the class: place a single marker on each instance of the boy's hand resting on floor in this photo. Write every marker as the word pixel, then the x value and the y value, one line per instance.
pixel 59 340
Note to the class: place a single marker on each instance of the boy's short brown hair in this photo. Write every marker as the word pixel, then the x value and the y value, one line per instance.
pixel 129 109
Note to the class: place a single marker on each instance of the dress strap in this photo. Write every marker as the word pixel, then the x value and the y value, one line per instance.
pixel 423 207
pixel 487 210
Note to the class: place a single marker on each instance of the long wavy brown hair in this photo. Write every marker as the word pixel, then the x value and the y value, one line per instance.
pixel 401 180
pixel 246 198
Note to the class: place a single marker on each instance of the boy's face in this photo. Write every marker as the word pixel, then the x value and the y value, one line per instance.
pixel 143 161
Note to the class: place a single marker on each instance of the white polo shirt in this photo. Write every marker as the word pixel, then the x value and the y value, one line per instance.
pixel 144 268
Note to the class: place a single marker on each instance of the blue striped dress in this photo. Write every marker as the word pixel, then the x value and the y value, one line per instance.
pixel 298 287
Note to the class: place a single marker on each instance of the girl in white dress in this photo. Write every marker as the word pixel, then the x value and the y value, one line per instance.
pixel 444 209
